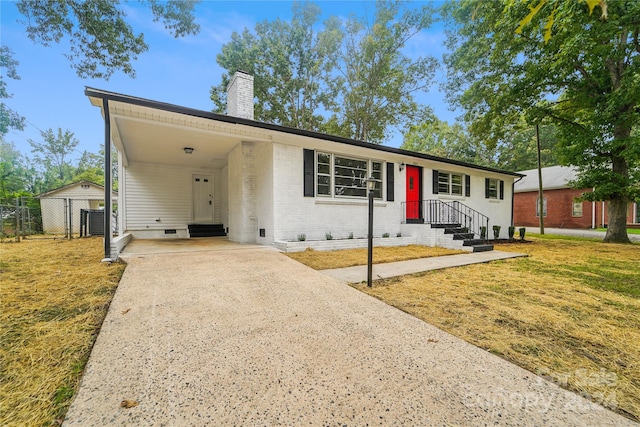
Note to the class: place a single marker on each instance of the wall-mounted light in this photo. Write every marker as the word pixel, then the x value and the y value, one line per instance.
pixel 188 150
pixel 401 166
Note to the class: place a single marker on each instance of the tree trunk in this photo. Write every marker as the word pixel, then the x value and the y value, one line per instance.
pixel 617 227
pixel 617 210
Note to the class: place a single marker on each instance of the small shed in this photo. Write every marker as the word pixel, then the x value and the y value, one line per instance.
pixel 61 208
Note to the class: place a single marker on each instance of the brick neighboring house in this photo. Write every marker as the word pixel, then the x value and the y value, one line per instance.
pixel 561 210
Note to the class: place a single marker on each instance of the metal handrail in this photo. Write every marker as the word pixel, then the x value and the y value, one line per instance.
pixel 454 212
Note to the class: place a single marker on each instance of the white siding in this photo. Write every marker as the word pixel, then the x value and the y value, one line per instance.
pixel 159 197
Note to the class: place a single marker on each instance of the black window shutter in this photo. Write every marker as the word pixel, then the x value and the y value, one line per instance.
pixel 309 172
pixel 467 186
pixel 390 180
pixel 501 190
pixel 435 182
pixel 486 188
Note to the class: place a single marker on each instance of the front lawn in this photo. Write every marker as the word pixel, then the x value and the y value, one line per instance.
pixel 350 257
pixel 55 294
pixel 570 312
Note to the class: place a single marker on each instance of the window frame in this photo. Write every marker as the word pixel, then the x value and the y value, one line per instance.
pixel 378 175
pixel 450 184
pixel 573 209
pixel 496 188
pixel 318 173
pixel 544 207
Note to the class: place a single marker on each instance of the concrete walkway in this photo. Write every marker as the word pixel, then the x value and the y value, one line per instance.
pixel 578 233
pixel 358 273
pixel 251 337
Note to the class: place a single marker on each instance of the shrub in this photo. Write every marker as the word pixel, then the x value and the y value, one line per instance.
pixel 483 232
pixel 496 231
pixel 512 231
pixel 351 235
pixel 522 230
pixel 385 235
pixel 328 236
pixel 302 237
pixel 398 234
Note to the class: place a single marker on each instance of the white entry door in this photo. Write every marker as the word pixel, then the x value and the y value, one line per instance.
pixel 202 198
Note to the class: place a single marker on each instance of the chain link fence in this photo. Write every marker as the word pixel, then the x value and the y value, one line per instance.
pixel 33 217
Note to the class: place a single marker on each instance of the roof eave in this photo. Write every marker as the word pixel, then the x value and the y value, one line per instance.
pixel 112 96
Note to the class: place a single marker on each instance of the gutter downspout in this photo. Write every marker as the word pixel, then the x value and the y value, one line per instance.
pixel 513 196
pixel 540 189
pixel 107 181
pixel 593 214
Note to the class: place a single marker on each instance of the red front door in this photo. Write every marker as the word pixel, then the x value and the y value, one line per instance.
pixel 413 192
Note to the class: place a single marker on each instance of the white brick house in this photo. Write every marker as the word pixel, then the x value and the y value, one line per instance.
pixel 262 183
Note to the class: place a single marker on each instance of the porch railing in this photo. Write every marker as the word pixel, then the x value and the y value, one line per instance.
pixel 441 212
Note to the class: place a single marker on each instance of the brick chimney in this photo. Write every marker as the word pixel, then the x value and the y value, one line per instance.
pixel 240 95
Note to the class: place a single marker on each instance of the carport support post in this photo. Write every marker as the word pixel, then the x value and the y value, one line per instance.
pixel 107 180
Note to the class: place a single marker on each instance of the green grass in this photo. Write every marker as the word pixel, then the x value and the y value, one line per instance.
pixel 571 308
pixel 629 230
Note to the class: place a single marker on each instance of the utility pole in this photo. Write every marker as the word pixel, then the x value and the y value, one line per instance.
pixel 540 191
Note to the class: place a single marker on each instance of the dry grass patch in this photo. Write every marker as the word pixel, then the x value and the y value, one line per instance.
pixel 350 257
pixel 570 311
pixel 55 294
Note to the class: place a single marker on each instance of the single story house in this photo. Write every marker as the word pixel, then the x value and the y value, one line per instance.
pixel 61 208
pixel 561 209
pixel 185 173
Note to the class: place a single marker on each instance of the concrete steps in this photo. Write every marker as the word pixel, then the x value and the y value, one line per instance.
pixel 206 230
pixel 460 238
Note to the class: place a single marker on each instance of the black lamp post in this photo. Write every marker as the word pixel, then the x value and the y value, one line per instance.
pixel 371 185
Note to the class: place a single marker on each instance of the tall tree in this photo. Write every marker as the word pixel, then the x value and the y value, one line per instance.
pixel 438 138
pixel 9 119
pixel 291 63
pixel 585 78
pixel 13 175
pixel 100 39
pixel 52 155
pixel 376 80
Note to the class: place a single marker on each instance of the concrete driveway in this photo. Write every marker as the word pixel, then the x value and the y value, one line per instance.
pixel 251 337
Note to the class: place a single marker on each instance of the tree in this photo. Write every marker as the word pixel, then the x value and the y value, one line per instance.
pixel 100 40
pixel 438 138
pixel 376 79
pixel 13 175
pixel 584 79
pixel 291 63
pixel 9 119
pixel 52 157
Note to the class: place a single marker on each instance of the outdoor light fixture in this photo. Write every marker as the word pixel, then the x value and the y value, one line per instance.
pixel 401 166
pixel 188 150
pixel 371 185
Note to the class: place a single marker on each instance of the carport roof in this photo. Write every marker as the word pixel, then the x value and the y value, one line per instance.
pixel 194 115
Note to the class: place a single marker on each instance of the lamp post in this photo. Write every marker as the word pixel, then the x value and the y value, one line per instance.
pixel 371 185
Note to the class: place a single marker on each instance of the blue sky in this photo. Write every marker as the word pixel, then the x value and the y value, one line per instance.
pixel 179 71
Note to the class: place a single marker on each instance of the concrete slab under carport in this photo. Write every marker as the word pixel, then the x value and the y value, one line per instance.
pixel 141 247
pixel 251 337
